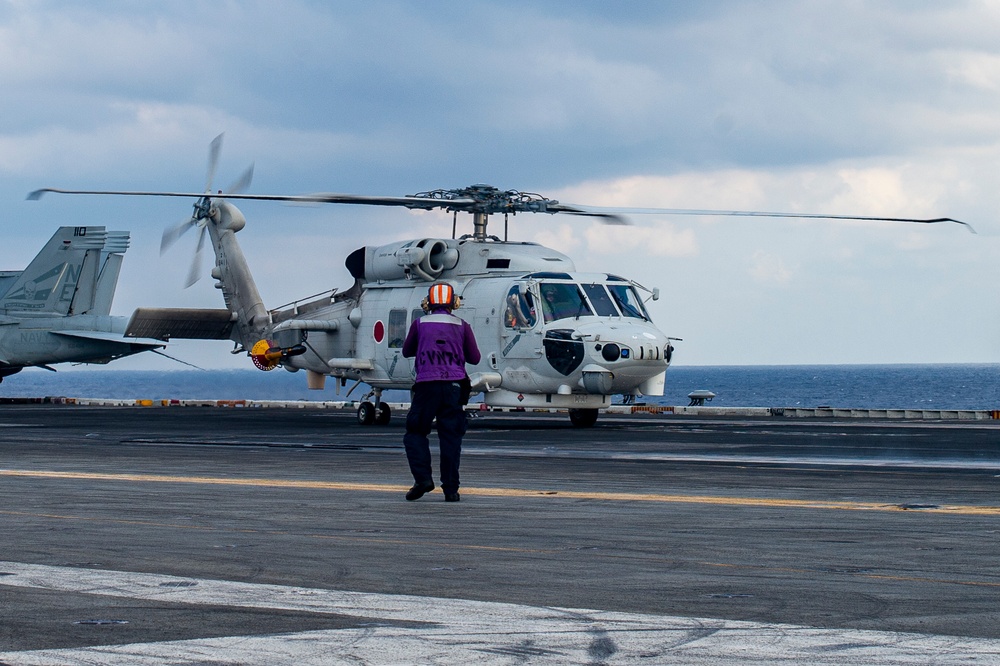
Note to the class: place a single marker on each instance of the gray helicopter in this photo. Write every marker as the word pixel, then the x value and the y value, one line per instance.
pixel 57 310
pixel 552 337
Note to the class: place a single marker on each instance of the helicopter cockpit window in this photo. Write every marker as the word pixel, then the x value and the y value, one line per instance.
pixel 416 314
pixel 397 328
pixel 561 301
pixel 628 301
pixel 602 302
pixel 519 312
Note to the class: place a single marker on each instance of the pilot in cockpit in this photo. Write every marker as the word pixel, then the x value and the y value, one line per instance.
pixel 557 302
pixel 519 313
pixel 514 317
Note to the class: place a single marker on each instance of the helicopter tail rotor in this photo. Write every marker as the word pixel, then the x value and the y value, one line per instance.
pixel 214 150
pixel 241 184
pixel 204 211
pixel 172 234
pixel 194 273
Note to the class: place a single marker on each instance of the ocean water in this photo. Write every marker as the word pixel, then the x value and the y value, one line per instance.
pixel 967 386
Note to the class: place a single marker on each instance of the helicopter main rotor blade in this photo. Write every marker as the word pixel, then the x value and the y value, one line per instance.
pixel 468 204
pixel 607 217
pixel 406 202
pixel 38 194
pixel 755 213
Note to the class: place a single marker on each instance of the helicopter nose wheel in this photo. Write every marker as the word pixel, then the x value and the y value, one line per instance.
pixel 583 418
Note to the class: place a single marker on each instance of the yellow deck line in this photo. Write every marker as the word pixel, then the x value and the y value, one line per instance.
pixel 770 502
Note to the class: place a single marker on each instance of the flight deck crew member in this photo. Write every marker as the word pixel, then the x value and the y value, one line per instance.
pixel 441 345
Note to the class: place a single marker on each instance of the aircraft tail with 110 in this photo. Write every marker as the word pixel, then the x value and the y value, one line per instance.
pixel 57 310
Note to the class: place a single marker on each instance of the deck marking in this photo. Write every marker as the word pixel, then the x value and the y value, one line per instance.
pixel 458 631
pixel 770 502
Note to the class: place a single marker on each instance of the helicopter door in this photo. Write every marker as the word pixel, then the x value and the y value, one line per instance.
pixel 395 368
pixel 519 339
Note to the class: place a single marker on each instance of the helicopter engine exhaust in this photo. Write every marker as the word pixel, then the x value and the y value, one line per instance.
pixel 423 259
pixel 266 355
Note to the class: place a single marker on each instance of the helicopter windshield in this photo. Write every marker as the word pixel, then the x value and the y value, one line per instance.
pixel 567 300
pixel 562 300
pixel 602 303
pixel 628 301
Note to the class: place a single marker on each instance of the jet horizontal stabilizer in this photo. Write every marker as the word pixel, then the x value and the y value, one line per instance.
pixel 108 336
pixel 181 323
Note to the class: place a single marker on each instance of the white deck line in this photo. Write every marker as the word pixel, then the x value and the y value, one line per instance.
pixel 462 632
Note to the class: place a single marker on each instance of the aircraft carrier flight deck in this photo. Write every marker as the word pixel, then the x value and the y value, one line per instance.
pixel 261 536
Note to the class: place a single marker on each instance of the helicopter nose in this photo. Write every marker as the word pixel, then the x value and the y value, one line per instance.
pixel 608 357
pixel 643 351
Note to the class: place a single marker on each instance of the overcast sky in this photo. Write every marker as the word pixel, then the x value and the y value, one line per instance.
pixel 846 107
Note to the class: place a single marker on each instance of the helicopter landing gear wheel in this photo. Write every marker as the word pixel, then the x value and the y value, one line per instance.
pixel 583 418
pixel 383 414
pixel 366 413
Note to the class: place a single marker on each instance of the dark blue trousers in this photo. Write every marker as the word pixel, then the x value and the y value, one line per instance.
pixel 441 400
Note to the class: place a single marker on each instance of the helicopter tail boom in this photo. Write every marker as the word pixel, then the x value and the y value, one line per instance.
pixel 233 275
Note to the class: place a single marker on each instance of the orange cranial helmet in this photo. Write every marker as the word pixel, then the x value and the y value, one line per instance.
pixel 442 294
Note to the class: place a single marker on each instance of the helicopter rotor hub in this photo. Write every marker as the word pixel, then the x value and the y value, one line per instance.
pixel 488 200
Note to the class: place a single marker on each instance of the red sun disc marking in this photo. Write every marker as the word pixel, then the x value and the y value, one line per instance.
pixel 379 331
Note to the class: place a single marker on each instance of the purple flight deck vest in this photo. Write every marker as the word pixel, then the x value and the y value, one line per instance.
pixel 442 344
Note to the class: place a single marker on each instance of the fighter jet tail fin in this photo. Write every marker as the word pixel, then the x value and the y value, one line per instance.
pixel 107 281
pixel 63 278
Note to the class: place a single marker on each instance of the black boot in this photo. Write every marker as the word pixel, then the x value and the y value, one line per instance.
pixel 418 490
